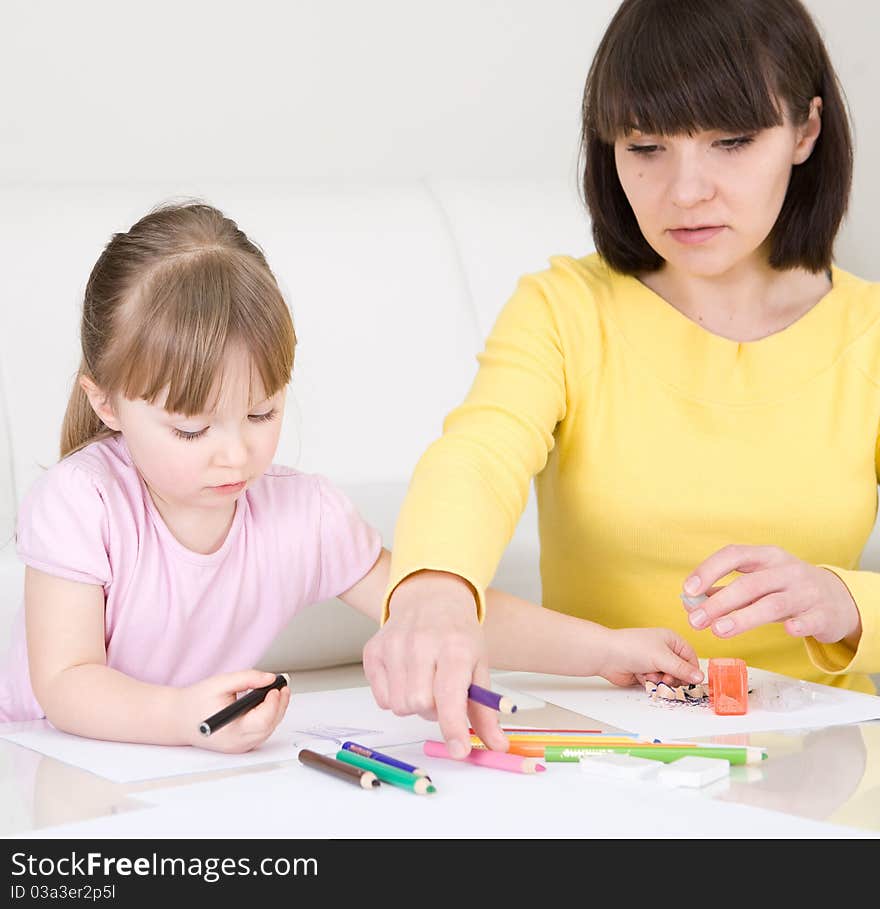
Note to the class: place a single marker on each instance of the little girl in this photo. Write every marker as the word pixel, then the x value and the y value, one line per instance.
pixel 165 551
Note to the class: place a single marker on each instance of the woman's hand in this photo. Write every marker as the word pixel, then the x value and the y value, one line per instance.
pixel 637 655
pixel 245 733
pixel 428 653
pixel 775 586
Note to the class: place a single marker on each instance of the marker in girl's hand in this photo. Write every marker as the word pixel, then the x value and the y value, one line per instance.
pixel 242 705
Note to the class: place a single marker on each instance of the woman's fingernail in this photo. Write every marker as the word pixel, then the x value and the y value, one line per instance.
pixel 697 618
pixel 692 584
pixel 722 626
pixel 457 749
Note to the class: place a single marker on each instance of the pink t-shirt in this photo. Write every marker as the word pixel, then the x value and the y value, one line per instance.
pixel 173 616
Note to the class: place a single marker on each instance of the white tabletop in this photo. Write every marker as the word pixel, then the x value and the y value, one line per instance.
pixel 829 775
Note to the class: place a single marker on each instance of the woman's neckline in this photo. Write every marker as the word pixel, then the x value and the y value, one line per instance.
pixel 834 276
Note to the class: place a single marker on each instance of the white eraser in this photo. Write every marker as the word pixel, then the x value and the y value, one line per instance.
pixel 693 602
pixel 619 766
pixel 693 771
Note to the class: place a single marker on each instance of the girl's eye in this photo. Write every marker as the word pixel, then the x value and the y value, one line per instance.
pixel 642 149
pixel 253 417
pixel 183 434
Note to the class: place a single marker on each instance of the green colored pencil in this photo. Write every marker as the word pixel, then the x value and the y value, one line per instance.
pixel 420 785
pixel 743 754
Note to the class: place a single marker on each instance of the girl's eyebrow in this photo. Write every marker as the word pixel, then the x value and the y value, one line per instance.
pixel 206 415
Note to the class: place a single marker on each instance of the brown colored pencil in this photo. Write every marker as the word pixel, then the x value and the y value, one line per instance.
pixel 364 778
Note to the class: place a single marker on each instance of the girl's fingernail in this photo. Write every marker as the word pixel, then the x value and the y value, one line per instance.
pixel 696 677
pixel 796 627
pixel 697 618
pixel 722 626
pixel 692 584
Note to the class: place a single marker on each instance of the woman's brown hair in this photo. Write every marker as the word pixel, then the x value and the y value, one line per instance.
pixel 162 305
pixel 674 67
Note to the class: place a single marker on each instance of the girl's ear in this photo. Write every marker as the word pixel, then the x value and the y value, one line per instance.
pixel 100 403
pixel 808 133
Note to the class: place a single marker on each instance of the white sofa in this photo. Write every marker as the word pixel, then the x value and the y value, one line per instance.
pixel 392 286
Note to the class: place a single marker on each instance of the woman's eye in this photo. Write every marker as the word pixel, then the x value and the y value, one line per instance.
pixel 183 434
pixel 737 143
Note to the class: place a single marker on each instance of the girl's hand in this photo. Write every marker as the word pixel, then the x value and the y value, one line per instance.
pixel 775 587
pixel 245 733
pixel 636 655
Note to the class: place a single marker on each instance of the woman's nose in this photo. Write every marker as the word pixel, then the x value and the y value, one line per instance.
pixel 690 182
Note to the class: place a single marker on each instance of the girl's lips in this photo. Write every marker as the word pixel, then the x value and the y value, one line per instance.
pixel 229 488
pixel 701 235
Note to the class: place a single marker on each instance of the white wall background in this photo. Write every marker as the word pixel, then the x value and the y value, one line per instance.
pixel 340 90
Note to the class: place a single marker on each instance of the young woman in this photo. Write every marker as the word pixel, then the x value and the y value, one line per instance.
pixel 698 401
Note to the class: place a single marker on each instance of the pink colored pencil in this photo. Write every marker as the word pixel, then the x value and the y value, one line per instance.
pixel 498 760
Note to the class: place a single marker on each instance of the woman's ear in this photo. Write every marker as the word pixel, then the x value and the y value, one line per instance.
pixel 100 403
pixel 808 132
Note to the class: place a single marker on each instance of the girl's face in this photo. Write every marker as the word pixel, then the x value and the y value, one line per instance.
pixel 707 202
pixel 204 461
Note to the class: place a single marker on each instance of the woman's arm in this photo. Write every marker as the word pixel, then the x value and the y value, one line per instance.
pixel 80 694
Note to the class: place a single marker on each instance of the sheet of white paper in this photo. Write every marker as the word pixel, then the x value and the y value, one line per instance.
pixel 296 801
pixel 315 719
pixel 776 702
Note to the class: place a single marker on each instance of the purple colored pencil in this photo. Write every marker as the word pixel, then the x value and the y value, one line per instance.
pixel 491 699
pixel 363 751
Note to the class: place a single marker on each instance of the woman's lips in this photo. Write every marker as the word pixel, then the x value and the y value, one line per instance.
pixel 700 235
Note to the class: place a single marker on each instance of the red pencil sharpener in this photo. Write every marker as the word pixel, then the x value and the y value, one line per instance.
pixel 728 686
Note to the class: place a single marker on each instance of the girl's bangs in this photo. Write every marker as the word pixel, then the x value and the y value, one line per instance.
pixel 185 320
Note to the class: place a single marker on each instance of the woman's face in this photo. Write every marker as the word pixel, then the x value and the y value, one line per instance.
pixel 707 202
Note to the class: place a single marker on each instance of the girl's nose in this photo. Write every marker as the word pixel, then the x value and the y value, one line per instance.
pixel 233 450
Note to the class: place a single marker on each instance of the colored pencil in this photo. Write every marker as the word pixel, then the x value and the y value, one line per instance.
pixel 525 730
pixel 241 705
pixel 497 760
pixel 363 778
pixel 491 699
pixel 420 785
pixel 569 739
pixel 659 752
pixel 384 758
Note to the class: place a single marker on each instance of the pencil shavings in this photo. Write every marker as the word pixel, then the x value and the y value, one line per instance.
pixel 683 694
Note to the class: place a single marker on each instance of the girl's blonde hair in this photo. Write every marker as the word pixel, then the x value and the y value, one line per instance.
pixel 162 305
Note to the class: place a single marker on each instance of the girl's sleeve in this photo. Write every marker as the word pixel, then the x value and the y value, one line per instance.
pixel 470 486
pixel 349 545
pixel 62 527
pixel 864 588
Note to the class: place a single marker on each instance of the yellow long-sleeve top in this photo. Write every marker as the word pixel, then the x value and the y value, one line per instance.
pixel 654 443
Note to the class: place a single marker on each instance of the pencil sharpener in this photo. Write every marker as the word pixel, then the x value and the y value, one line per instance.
pixel 728 686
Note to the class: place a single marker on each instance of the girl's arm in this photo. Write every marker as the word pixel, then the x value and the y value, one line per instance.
pixel 524 636
pixel 67 660
pixel 80 694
